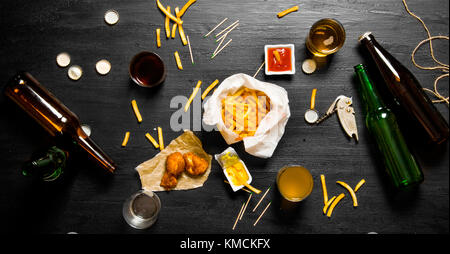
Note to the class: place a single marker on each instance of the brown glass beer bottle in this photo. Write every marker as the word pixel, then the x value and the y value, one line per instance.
pixel 407 91
pixel 51 114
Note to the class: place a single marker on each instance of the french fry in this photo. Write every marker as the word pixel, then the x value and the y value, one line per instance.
pixel 197 87
pixel 325 207
pixel 350 190
pixel 324 189
pixel 136 110
pixel 180 28
pixel 125 139
pixel 210 87
pixel 152 140
pixel 285 12
pixel 174 30
pixel 186 6
pixel 177 58
pixel 161 7
pixel 242 111
pixel 167 24
pixel 160 139
pixel 158 37
pixel 359 185
pixel 333 205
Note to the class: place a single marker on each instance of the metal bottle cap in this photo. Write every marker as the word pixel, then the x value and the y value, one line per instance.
pixel 309 66
pixel 111 17
pixel 75 72
pixel 364 36
pixel 103 67
pixel 63 59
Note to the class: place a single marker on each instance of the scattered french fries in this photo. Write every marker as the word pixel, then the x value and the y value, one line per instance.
pixel 168 14
pixel 210 87
pixel 324 190
pixel 185 7
pixel 333 205
pixel 152 140
pixel 125 139
pixel 158 37
pixel 178 60
pixel 167 24
pixel 285 12
pixel 197 87
pixel 174 30
pixel 136 110
pixel 180 27
pixel 160 139
pixel 350 190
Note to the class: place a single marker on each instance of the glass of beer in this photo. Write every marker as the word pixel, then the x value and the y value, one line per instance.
pixel 325 37
pixel 295 183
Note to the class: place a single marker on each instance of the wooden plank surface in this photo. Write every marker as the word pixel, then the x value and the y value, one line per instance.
pixel 88 201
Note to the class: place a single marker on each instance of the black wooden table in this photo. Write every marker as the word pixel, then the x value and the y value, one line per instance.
pixel 88 201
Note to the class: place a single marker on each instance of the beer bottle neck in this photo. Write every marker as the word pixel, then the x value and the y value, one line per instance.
pixel 368 92
pixel 387 65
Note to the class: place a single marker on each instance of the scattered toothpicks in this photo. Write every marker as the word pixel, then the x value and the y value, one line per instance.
pixel 245 207
pixel 262 213
pixel 220 44
pixel 260 67
pixel 206 35
pixel 224 30
pixel 225 34
pixel 226 44
pixel 190 50
pixel 265 193
pixel 239 215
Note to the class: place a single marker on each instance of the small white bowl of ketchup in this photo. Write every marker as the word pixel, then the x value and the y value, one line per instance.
pixel 281 62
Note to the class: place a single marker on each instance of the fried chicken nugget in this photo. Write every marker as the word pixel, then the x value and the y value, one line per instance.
pixel 174 167
pixel 168 181
pixel 175 164
pixel 195 165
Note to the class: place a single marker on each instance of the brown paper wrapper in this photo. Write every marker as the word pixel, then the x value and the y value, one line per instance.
pixel 151 171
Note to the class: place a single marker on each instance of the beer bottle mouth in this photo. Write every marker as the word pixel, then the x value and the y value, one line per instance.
pixel 364 36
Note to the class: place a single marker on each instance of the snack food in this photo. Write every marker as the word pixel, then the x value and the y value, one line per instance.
pixel 175 165
pixel 243 110
pixel 152 171
pixel 235 170
pixel 195 165
pixel 287 11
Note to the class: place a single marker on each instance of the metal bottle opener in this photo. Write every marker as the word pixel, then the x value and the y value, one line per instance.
pixel 346 114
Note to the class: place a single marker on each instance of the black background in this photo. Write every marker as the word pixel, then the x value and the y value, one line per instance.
pixel 86 200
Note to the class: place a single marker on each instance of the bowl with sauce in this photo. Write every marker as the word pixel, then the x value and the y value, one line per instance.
pixel 280 59
pixel 147 69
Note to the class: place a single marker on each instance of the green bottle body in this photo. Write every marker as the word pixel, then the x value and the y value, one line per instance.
pixel 400 164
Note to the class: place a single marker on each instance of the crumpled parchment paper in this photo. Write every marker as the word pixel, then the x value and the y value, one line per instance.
pixel 151 171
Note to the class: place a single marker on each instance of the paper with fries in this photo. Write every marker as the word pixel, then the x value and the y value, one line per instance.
pixel 244 108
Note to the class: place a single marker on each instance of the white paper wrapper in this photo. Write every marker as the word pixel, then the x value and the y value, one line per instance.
pixel 270 129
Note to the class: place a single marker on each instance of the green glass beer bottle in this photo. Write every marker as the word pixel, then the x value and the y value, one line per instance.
pixel 400 164
pixel 48 166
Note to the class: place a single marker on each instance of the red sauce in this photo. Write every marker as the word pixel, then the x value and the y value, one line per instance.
pixel 285 56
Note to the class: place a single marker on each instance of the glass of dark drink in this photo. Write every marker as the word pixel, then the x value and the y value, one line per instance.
pixel 147 69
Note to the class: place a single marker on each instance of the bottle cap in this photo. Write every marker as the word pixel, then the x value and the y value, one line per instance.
pixel 87 129
pixel 365 35
pixel 63 59
pixel 111 17
pixel 309 66
pixel 75 72
pixel 103 67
